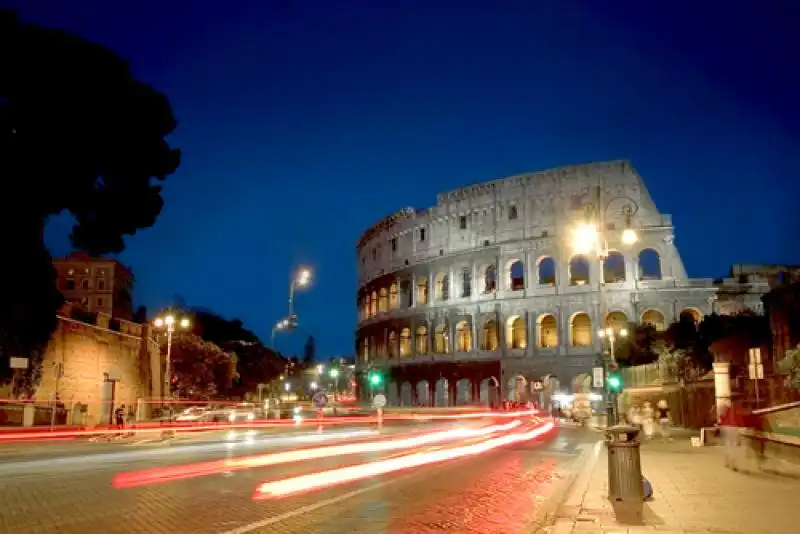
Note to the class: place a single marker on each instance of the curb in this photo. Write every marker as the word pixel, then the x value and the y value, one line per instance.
pixel 555 520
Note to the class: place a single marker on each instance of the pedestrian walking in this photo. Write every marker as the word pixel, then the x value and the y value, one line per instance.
pixel 648 420
pixel 662 424
pixel 119 415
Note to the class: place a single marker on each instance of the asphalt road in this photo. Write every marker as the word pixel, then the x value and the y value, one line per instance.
pixel 66 488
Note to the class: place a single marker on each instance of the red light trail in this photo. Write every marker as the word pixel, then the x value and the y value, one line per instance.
pixel 324 479
pixel 179 472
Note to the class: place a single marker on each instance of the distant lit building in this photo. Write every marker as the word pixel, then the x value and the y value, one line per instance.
pixel 96 284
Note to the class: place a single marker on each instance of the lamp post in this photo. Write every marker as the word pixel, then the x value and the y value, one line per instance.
pixel 283 324
pixel 169 322
pixel 334 373
pixel 610 335
pixel 301 278
pixel 591 237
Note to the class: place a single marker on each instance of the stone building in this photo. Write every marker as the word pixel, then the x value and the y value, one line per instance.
pixel 502 287
pixel 96 284
pixel 84 361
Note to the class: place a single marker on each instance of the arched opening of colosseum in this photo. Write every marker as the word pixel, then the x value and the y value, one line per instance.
pixel 440 341
pixel 405 342
pixel 490 279
pixel 406 396
pixel 393 300
pixel 578 270
pixel 512 213
pixel 392 344
pixel 548 331
pixel 463 337
pixel 490 341
pixel 581 330
pixel 365 350
pixel 515 333
pixel 422 339
pixel 614 268
pixel 616 321
pixel 649 265
pixel 441 397
pixel 442 286
pixel 546 271
pixel 516 275
pixel 691 314
pixel 392 393
pixel 383 301
pixel 654 318
pixel 582 383
pixel 422 290
pixel 373 304
pixel 517 389
pixel 422 393
pixel 463 392
pixel 489 391
pixel 466 283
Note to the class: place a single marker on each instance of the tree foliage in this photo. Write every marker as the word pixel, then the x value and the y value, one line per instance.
pixel 78 133
pixel 200 369
pixel 790 366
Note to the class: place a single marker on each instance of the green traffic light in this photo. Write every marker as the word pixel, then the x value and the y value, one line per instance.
pixel 375 379
pixel 614 382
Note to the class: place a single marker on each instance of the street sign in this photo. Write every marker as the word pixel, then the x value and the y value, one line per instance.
pixel 538 385
pixel 597 377
pixel 18 363
pixel 756 371
pixel 320 400
pixel 379 401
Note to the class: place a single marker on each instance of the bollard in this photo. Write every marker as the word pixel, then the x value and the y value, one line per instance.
pixel 625 481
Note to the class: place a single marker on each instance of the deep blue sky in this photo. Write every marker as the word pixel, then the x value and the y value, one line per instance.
pixel 304 122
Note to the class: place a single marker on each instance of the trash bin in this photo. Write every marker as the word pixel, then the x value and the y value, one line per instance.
pixel 625 484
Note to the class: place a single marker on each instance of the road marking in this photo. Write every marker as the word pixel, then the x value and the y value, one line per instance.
pixel 311 507
pixel 575 497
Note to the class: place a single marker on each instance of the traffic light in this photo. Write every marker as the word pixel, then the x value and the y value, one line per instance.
pixel 614 383
pixel 375 379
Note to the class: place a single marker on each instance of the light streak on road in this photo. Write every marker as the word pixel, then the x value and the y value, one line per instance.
pixel 180 472
pixel 324 479
pixel 86 462
pixel 158 427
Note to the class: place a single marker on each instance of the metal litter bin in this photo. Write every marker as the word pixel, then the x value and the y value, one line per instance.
pixel 625 486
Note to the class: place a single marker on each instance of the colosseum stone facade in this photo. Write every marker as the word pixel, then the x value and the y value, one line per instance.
pixel 500 290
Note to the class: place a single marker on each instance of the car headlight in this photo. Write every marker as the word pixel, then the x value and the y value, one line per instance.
pixel 251 416
pixel 296 409
pixel 232 417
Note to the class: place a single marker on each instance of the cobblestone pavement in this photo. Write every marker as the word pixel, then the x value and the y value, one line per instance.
pixel 693 493
pixel 504 491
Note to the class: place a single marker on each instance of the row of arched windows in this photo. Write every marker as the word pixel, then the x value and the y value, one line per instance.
pixel 580 332
pixel 383 299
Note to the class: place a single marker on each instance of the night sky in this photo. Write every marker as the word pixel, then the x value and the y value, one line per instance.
pixel 304 122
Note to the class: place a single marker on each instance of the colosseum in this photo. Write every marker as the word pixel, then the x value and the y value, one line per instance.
pixel 509 288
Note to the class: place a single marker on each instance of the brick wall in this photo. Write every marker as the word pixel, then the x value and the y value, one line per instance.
pixel 86 352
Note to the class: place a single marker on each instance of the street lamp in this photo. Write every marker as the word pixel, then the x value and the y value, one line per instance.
pixel 590 236
pixel 301 278
pixel 334 373
pixel 168 322
pixel 313 386
pixel 283 324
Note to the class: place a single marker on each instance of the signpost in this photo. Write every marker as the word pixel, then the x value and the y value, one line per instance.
pixel 379 401
pixel 755 368
pixel 18 365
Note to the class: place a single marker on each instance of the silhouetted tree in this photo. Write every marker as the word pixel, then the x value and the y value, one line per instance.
pixel 141 315
pixel 310 350
pixel 639 347
pixel 201 369
pixel 78 133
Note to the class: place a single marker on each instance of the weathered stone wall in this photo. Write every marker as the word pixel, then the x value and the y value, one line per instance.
pixel 89 355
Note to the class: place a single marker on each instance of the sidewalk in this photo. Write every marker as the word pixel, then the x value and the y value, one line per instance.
pixel 693 492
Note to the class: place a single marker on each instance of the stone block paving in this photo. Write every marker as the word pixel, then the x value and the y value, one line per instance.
pixel 496 494
pixel 693 493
